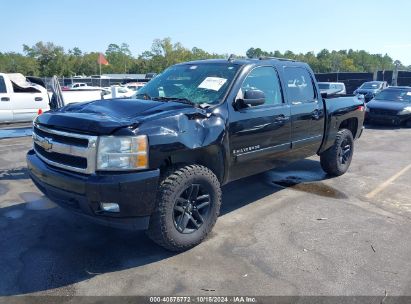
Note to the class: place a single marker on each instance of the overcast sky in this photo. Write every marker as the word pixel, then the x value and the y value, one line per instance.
pixel 223 26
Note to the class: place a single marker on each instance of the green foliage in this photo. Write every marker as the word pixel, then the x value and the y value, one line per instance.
pixel 50 58
pixel 164 53
pixel 334 61
pixel 18 63
pixel 47 59
pixel 120 59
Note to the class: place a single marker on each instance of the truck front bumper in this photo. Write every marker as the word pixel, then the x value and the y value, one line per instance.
pixel 135 193
pixel 387 119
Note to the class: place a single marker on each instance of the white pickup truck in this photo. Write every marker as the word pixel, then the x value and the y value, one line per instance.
pixel 20 99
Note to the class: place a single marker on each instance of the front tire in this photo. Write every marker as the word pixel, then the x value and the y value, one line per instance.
pixel 336 160
pixel 188 204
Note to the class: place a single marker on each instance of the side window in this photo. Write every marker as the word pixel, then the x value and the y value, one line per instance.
pixel 3 88
pixel 299 85
pixel 264 79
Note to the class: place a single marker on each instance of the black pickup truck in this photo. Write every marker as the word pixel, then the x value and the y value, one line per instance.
pixel 158 162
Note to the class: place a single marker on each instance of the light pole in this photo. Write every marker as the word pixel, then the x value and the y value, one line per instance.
pixel 394 82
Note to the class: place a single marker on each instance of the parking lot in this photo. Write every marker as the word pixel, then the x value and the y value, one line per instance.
pixel 286 232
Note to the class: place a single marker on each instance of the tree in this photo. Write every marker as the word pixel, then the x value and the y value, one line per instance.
pixel 47 59
pixel 255 53
pixel 164 53
pixel 88 64
pixel 18 63
pixel 50 58
pixel 334 61
pixel 119 58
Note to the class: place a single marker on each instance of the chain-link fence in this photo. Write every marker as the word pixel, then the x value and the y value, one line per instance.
pixel 95 82
pixel 351 80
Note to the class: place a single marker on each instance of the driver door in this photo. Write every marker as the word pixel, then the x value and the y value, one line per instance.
pixel 259 135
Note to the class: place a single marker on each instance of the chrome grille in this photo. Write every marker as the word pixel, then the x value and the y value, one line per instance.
pixel 70 151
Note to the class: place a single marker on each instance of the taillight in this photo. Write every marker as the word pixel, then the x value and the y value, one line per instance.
pixel 39 112
pixel 360 108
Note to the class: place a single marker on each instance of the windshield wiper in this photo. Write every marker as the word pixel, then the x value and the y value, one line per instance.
pixel 176 99
pixel 144 96
pixel 181 100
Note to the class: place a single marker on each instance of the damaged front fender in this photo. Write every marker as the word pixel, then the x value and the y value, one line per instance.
pixel 195 136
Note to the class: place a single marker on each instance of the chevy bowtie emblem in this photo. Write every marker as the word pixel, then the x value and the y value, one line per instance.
pixel 45 143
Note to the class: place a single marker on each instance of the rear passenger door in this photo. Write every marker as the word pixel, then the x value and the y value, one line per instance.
pixel 26 106
pixel 307 110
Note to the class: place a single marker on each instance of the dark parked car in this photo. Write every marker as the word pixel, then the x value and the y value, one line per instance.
pixel 158 162
pixel 370 89
pixel 392 105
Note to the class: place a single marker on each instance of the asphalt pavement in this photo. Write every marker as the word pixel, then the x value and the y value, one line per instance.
pixel 291 231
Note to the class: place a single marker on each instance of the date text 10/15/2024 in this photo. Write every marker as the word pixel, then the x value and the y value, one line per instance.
pixel 203 299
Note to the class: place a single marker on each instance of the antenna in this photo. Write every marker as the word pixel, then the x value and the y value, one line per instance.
pixel 232 57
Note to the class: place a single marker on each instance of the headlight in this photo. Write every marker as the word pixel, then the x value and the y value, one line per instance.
pixel 122 153
pixel 406 110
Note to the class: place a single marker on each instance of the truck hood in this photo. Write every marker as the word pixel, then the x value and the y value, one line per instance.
pixel 103 117
pixel 387 105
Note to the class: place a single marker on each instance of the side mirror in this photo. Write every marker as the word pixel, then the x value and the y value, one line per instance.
pixel 324 94
pixel 253 98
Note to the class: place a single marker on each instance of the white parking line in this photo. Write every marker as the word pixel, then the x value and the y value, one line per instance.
pixel 385 184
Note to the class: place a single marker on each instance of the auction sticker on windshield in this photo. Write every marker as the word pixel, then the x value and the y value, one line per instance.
pixel 212 83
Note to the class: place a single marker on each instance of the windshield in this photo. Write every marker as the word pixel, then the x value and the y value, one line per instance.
pixel 370 85
pixel 324 86
pixel 196 83
pixel 394 95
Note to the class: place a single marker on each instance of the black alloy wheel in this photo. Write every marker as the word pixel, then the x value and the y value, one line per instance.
pixel 344 153
pixel 187 207
pixel 336 160
pixel 191 209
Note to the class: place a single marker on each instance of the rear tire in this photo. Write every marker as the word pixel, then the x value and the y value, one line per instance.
pixel 337 159
pixel 408 123
pixel 188 204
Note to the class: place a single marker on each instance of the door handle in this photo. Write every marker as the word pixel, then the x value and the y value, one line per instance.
pixel 5 99
pixel 296 102
pixel 316 114
pixel 280 118
pixel 38 98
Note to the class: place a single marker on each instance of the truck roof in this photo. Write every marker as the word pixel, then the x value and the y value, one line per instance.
pixel 244 61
